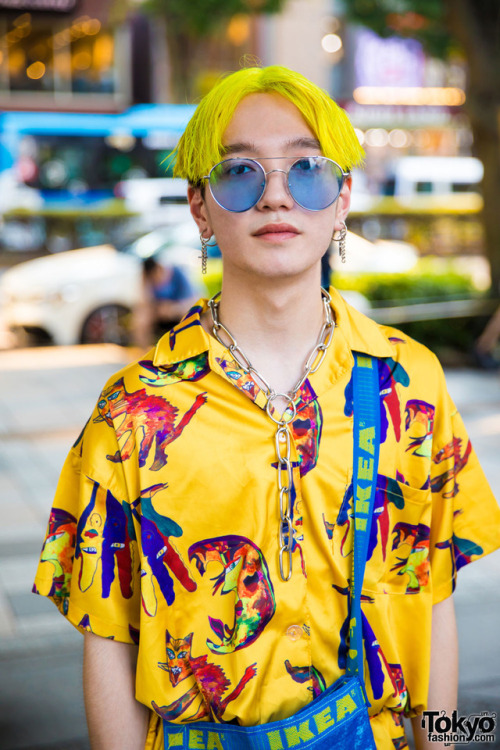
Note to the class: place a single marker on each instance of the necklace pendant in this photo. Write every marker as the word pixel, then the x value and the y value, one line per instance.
pixel 290 411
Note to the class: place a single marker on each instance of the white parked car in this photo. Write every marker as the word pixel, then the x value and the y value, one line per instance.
pixel 87 295
pixel 381 256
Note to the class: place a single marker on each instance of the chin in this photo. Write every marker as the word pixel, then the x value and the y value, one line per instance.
pixel 281 270
pixel 272 262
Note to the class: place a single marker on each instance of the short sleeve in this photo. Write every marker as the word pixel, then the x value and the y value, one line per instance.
pixel 89 565
pixel 465 517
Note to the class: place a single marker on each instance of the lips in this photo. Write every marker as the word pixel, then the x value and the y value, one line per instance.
pixel 277 232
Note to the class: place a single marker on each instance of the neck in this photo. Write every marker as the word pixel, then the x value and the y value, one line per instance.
pixel 276 324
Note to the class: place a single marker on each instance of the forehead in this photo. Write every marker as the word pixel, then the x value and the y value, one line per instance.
pixel 264 122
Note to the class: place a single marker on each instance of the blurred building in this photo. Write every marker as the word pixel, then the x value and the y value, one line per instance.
pixel 84 55
pixel 294 38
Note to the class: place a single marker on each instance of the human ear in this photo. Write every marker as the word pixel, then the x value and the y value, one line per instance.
pixel 343 203
pixel 199 212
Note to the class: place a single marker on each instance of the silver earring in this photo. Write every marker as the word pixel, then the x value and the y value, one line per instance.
pixel 341 240
pixel 204 255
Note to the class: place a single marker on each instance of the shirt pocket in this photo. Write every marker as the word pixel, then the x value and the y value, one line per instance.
pixel 398 552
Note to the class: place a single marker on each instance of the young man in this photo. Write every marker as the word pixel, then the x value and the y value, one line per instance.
pixel 167 525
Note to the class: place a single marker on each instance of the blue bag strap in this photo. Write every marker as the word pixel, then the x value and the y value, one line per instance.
pixel 366 406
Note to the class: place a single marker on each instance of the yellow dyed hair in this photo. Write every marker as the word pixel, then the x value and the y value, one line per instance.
pixel 200 147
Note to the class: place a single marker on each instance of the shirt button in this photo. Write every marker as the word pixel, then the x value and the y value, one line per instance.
pixel 294 632
pixel 282 437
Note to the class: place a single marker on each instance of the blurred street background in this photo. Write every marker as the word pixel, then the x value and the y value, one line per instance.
pixel 94 95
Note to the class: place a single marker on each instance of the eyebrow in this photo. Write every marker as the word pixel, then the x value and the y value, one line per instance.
pixel 302 142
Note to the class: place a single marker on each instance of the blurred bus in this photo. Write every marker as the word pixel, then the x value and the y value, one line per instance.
pixel 412 176
pixel 68 159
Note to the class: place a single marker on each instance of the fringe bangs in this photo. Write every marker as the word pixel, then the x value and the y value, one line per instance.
pixel 200 147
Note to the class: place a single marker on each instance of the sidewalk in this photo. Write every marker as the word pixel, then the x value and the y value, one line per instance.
pixel 46 396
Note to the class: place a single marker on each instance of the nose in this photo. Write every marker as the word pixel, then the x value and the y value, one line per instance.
pixel 276 193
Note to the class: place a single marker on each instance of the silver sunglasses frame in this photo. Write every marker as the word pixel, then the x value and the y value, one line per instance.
pixel 284 171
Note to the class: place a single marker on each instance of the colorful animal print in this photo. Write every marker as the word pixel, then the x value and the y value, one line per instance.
pixel 387 491
pixel 420 413
pixel 57 550
pixel 192 369
pixel 329 527
pixel 374 656
pixel 416 565
pixel 241 379
pixel 390 374
pixel 211 682
pixel 105 539
pixel 159 554
pixel 306 431
pixel 145 418
pixel 400 689
pixel 84 624
pixel 245 573
pixel 462 551
pixel 451 450
pixel 306 674
pixel 400 743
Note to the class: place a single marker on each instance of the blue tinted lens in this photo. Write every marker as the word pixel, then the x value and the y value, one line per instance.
pixel 315 182
pixel 237 184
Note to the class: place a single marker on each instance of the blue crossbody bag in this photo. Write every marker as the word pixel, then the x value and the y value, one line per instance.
pixel 338 718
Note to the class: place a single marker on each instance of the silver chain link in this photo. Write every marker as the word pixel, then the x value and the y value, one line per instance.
pixel 282 437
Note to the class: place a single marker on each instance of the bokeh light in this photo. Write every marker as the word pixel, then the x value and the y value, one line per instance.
pixel 36 70
pixel 331 43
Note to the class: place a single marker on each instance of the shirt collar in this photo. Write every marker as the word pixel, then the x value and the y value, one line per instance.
pixel 185 340
pixel 361 334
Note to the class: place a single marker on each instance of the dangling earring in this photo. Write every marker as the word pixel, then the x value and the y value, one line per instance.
pixel 204 255
pixel 341 240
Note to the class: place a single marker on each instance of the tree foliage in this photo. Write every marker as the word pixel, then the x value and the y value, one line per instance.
pixel 420 19
pixel 192 28
pixel 200 18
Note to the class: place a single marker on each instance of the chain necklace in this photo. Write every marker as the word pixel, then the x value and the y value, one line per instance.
pixel 282 436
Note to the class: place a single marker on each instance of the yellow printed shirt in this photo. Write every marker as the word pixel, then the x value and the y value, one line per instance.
pixel 164 529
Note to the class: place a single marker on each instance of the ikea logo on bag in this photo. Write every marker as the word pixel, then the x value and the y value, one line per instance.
pixel 291 736
pixel 302 733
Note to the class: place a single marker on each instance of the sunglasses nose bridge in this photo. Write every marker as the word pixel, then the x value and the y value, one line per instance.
pixel 272 171
pixel 285 171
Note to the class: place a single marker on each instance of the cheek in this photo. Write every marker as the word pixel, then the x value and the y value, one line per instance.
pixel 230 229
pixel 321 228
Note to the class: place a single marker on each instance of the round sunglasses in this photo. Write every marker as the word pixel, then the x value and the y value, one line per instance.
pixel 314 182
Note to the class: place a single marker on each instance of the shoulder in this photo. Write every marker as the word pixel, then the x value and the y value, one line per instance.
pixel 423 371
pixel 388 344
pixel 144 373
pixel 408 350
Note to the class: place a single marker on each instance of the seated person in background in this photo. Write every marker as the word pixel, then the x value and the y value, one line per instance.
pixel 167 295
